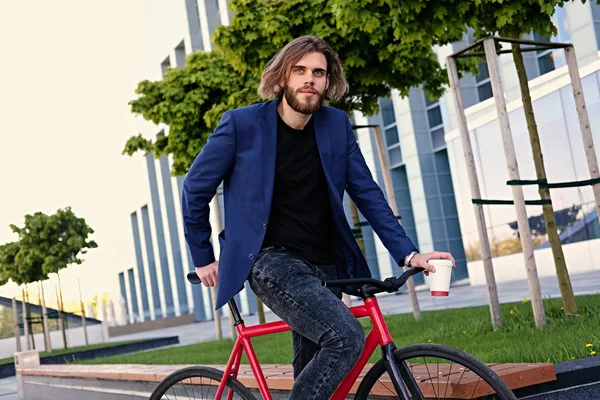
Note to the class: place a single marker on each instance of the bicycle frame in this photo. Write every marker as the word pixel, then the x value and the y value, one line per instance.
pixel 378 336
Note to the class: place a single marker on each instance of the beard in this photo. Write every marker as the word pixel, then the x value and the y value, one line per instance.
pixel 306 107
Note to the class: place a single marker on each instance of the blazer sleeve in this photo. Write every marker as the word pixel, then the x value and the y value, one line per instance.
pixel 371 202
pixel 200 185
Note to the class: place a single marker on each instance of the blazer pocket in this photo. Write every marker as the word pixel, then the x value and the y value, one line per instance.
pixel 222 241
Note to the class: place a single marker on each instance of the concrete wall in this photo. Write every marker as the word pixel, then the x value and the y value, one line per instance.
pixel 580 256
pixel 75 337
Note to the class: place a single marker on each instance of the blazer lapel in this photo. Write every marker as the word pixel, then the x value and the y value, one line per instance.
pixel 323 141
pixel 269 150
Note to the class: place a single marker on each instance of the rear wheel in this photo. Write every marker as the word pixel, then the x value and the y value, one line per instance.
pixel 433 371
pixel 199 383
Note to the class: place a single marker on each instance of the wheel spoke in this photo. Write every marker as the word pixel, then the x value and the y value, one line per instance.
pixel 438 375
pixel 448 379
pixel 185 389
pixel 458 383
pixel 184 384
pixel 429 374
pixel 474 390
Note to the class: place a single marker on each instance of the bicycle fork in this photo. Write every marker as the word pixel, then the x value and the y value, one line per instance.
pixel 401 376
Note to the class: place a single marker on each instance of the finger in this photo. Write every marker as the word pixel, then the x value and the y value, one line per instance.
pixel 428 267
pixel 446 256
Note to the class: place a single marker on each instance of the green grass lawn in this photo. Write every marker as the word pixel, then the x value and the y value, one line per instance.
pixel 58 352
pixel 469 329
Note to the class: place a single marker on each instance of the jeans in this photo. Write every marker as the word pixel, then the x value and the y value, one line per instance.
pixel 327 338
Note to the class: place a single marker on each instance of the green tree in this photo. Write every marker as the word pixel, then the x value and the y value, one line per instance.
pixel 191 101
pixel 514 19
pixel 377 53
pixel 47 244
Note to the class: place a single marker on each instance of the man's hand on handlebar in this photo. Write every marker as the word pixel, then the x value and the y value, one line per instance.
pixel 209 274
pixel 421 260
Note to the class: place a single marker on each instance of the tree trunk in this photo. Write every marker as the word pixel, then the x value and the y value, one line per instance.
pixel 359 240
pixel 61 317
pixel 83 320
pixel 562 273
pixel 512 165
pixel 47 341
pixel 214 208
pixel 16 324
pixel 387 179
pixel 484 242
pixel 216 314
pixel 25 322
pixel 261 311
pixel 29 318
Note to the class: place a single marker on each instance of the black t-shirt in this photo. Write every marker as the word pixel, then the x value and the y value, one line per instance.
pixel 301 218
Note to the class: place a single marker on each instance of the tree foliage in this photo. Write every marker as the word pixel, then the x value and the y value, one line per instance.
pixel 383 44
pixel 376 56
pixel 47 244
pixel 190 100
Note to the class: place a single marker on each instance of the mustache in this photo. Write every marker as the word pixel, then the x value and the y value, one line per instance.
pixel 307 89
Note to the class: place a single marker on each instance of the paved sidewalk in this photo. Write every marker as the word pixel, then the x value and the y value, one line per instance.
pixel 460 296
pixel 8 388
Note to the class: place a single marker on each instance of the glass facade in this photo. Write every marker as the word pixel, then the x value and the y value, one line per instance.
pixel 596 20
pixel 484 85
pixel 564 160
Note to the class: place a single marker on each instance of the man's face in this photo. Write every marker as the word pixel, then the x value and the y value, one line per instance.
pixel 307 84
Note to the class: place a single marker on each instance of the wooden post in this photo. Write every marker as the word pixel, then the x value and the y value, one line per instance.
pixel 16 324
pixel 584 123
pixel 391 197
pixel 25 322
pixel 214 207
pixel 517 191
pixel 484 242
pixel 83 320
pixel 47 340
pixel 31 333
pixel 60 319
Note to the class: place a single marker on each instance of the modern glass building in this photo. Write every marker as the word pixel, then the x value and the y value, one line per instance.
pixel 426 162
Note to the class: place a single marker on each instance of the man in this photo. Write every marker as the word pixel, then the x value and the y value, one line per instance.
pixel 285 165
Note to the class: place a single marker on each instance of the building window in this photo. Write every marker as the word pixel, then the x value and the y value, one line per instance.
pixel 390 132
pixel 545 58
pixel 436 123
pixel 484 85
pixel 165 65
pixel 180 54
pixel 596 19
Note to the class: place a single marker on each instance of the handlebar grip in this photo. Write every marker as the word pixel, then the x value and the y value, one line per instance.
pixel 192 277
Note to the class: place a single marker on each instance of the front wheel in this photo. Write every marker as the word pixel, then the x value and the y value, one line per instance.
pixel 199 383
pixel 432 371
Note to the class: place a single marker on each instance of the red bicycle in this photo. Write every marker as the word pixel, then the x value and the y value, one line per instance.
pixel 422 371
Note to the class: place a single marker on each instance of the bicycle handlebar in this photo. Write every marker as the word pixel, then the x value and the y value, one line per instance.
pixel 370 286
pixel 373 286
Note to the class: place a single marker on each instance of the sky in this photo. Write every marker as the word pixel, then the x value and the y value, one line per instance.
pixel 68 71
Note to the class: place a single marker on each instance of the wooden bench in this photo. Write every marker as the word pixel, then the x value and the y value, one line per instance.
pixel 280 377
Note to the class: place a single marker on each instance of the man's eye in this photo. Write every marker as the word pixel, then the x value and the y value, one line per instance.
pixel 298 70
pixel 319 73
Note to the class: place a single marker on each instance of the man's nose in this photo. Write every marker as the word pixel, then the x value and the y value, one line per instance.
pixel 310 78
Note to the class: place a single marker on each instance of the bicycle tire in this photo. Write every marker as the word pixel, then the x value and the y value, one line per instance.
pixel 484 372
pixel 199 372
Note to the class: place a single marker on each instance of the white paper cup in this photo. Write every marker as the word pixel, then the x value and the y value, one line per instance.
pixel 439 281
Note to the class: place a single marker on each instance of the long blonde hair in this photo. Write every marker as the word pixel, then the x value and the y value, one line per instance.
pixel 278 68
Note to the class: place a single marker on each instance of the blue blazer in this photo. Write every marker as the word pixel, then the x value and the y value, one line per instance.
pixel 241 153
